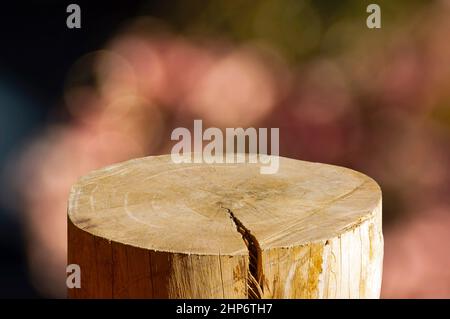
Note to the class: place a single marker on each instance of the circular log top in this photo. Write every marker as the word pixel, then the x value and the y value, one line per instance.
pixel 205 209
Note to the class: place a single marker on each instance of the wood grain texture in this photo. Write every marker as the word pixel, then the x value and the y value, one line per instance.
pixel 148 228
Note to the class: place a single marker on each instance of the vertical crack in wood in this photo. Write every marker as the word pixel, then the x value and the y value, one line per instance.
pixel 255 273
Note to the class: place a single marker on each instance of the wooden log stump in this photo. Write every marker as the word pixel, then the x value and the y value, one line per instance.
pixel 149 228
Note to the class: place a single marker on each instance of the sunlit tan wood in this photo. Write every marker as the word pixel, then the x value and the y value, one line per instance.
pixel 148 228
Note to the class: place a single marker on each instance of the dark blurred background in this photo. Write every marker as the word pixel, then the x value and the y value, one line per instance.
pixel 378 101
pixel 36 54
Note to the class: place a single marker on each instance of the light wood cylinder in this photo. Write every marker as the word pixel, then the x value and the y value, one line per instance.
pixel 149 228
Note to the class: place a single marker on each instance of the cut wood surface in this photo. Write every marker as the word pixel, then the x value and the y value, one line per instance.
pixel 149 228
